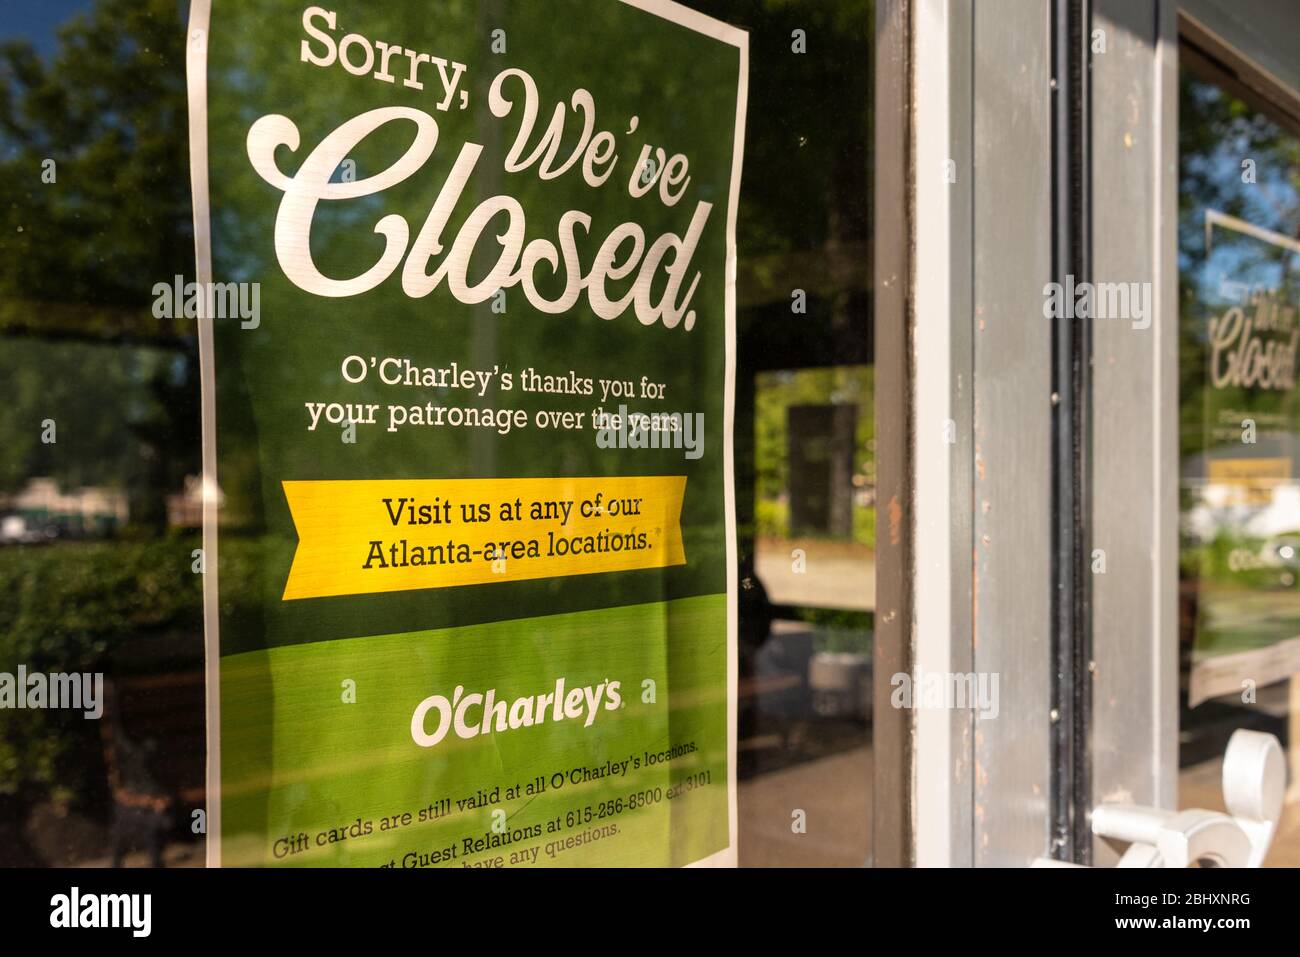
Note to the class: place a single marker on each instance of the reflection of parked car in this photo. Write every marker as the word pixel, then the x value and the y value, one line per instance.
pixel 1287 550
pixel 15 530
pixel 1283 552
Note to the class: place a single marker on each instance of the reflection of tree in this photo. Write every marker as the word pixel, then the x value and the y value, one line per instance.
pixel 79 256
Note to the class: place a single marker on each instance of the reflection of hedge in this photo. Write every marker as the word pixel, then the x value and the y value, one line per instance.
pixel 772 518
pixel 73 607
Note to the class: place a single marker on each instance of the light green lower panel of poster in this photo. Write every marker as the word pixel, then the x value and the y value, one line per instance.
pixel 319 766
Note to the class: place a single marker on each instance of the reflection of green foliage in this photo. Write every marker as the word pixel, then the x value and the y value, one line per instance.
pixel 864 526
pixel 837 618
pixel 67 608
pixel 75 607
pixel 65 605
pixel 839 630
pixel 772 518
pixel 1210 561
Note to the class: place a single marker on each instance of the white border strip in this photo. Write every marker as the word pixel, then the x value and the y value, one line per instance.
pixel 1164 652
pixel 196 77
pixel 932 742
pixel 731 856
pixel 1215 218
pixel 674 12
pixel 717 30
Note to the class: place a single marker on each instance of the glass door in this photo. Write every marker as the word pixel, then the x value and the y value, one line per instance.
pixel 1239 422
pixel 805 435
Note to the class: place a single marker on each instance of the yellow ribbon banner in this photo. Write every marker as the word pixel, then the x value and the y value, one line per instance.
pixel 378 535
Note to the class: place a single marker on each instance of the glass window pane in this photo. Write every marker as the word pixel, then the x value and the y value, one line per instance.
pixel 100 492
pixel 805 463
pixel 1239 576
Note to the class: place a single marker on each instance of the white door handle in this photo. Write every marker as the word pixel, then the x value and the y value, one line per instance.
pixel 1254 781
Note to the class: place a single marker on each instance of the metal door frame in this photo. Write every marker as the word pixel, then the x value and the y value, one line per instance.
pixel 974 504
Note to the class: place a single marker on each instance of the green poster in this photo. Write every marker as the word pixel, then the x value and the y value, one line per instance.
pixel 467 313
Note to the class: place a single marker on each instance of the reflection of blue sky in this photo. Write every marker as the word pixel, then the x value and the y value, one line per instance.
pixel 1271 202
pixel 37 21
pixel 1211 178
pixel 1239 262
pixel 1245 260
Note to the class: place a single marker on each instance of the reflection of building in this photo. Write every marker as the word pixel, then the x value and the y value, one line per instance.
pixel 1220 507
pixel 1245 489
pixel 185 508
pixel 41 510
pixel 821 448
